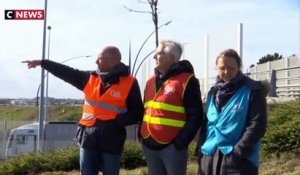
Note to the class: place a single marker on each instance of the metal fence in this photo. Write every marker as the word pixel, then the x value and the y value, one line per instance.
pixel 5 128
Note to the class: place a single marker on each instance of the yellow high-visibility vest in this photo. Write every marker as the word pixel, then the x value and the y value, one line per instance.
pixel 164 114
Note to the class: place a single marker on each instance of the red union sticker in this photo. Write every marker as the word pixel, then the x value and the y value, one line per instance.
pixel 24 14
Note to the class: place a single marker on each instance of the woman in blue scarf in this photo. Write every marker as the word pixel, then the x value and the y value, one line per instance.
pixel 235 121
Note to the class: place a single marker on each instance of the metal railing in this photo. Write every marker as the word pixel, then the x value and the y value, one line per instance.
pixel 285 82
pixel 7 125
pixel 5 128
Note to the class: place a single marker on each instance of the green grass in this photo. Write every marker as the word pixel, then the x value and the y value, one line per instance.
pixel 30 113
pixel 192 170
pixel 287 163
pixel 277 166
pixel 18 113
pixel 64 113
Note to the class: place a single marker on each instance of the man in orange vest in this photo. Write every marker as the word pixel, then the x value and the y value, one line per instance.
pixel 112 101
pixel 172 112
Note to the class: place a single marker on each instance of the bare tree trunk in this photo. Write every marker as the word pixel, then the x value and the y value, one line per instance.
pixel 155 20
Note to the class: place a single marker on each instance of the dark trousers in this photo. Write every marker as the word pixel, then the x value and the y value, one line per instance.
pixel 92 162
pixel 167 161
pixel 231 164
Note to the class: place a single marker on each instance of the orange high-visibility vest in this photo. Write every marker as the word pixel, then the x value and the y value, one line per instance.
pixel 104 106
pixel 164 114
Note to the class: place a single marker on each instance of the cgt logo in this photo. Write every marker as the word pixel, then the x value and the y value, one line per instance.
pixel 24 14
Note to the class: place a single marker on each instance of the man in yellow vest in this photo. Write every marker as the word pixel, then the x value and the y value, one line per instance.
pixel 172 112
pixel 112 101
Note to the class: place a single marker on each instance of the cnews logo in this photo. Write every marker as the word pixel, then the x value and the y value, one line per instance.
pixel 24 14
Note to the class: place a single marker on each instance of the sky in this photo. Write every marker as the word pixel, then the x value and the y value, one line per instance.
pixel 80 28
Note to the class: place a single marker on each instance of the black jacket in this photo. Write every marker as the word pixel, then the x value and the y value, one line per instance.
pixel 256 119
pixel 105 136
pixel 192 103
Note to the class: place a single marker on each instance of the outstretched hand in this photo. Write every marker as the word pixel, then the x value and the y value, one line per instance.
pixel 32 63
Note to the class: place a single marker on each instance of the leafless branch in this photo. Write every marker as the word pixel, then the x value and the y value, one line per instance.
pixel 140 1
pixel 137 11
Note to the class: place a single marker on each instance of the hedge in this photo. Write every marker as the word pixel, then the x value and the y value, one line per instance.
pixel 283 133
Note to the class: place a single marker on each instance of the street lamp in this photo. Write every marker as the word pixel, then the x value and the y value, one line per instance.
pixel 46 75
pixel 136 58
pixel 155 19
pixel 47 80
pixel 42 116
pixel 41 108
pixel 144 59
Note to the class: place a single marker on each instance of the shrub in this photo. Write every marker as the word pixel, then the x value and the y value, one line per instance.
pixel 132 156
pixel 31 163
pixel 68 159
pixel 62 159
pixel 22 165
pixel 283 129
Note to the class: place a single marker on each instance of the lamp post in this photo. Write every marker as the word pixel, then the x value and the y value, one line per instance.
pixel 184 48
pixel 155 19
pixel 46 75
pixel 42 105
pixel 148 37
pixel 47 80
pixel 144 59
pixel 42 111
